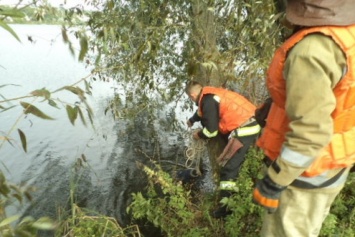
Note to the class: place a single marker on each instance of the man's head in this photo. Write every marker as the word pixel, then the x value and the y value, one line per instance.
pixel 320 12
pixel 193 90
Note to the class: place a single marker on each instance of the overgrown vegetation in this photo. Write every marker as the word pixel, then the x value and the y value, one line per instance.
pixel 12 195
pixel 179 211
pixel 40 14
pixel 152 48
pixel 85 223
pixel 175 209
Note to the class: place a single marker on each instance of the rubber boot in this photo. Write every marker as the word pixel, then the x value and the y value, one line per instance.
pixel 222 211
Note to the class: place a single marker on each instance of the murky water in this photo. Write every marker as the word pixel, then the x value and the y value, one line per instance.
pixel 109 174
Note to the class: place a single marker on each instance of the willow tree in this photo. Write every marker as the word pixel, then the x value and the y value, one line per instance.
pixel 157 45
pixel 153 47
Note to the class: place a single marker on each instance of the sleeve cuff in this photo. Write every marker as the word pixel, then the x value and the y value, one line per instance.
pixel 284 173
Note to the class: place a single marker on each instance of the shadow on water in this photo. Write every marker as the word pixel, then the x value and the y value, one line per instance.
pixel 107 191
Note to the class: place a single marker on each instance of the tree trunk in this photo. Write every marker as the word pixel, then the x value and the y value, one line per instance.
pixel 205 52
pixel 205 57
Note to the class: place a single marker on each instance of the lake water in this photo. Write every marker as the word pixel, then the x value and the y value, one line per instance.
pixel 111 149
pixel 46 63
pixel 54 146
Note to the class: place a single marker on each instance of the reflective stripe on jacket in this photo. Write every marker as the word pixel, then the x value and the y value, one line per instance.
pixel 341 150
pixel 234 109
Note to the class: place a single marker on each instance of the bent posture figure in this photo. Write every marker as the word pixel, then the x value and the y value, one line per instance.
pixel 230 115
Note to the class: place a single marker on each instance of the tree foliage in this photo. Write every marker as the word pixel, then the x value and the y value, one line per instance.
pixel 153 47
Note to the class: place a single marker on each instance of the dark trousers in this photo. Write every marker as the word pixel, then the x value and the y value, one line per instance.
pixel 231 170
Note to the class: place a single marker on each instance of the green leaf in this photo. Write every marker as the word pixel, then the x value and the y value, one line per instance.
pixel 72 113
pixel 82 116
pixel 110 5
pixel 9 220
pixel 31 109
pixel 23 140
pixel 83 48
pixel 44 224
pixel 17 196
pixel 27 219
pixel 53 103
pixel 64 35
pixel 12 13
pixel 75 90
pixel 71 48
pixel 88 87
pixel 90 116
pixel 42 92
pixel 9 29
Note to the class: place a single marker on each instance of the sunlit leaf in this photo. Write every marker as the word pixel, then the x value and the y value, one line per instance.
pixel 23 140
pixel 27 219
pixel 9 220
pixel 72 113
pixel 9 29
pixel 31 109
pixel 44 224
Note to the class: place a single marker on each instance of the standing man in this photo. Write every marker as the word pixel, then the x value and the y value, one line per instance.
pixel 309 137
pixel 229 114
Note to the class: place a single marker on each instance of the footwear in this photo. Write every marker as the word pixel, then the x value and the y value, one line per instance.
pixel 187 176
pixel 221 212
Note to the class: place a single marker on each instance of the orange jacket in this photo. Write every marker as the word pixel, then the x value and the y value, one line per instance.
pixel 341 150
pixel 234 109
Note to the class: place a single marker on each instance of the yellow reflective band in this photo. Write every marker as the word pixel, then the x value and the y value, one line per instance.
pixel 217 98
pixel 209 134
pixel 228 185
pixel 247 131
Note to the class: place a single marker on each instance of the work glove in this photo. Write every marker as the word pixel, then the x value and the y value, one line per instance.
pixel 189 123
pixel 267 194
pixel 195 133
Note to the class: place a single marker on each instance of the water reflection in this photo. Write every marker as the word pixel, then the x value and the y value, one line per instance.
pixel 109 174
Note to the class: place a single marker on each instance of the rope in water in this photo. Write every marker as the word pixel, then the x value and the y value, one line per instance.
pixel 195 152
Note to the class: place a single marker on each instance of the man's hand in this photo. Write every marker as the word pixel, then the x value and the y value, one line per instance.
pixel 196 136
pixel 267 194
pixel 189 124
